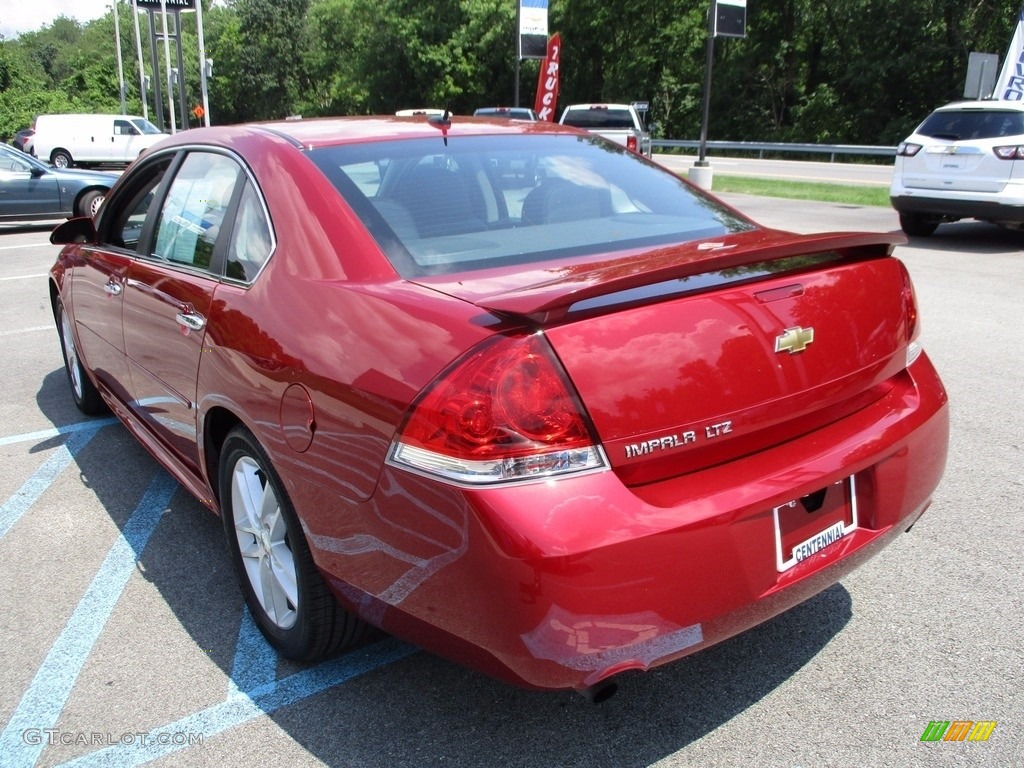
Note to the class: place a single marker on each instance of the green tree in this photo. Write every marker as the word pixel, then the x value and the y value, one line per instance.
pixel 269 57
pixel 846 71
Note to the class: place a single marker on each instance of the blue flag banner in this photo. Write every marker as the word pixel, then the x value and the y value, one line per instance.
pixel 1010 85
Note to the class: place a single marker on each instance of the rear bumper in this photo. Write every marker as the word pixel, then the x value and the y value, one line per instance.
pixel 564 584
pixel 1006 206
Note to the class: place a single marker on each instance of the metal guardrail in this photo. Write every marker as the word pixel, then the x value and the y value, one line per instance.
pixel 760 147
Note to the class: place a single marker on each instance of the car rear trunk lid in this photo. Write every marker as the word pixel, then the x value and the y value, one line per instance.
pixel 957 167
pixel 742 351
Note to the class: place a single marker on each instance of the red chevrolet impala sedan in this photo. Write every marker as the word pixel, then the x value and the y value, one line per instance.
pixel 505 390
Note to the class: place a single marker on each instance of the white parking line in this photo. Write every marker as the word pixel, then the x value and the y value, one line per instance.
pixel 46 434
pixel 16 506
pixel 24 277
pixel 33 329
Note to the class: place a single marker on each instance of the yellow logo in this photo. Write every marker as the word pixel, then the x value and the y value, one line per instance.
pixel 794 339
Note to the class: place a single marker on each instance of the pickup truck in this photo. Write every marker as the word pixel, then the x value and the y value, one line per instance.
pixel 622 123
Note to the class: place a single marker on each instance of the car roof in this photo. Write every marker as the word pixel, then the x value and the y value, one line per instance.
pixel 334 131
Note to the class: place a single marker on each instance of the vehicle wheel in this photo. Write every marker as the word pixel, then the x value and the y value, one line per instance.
pixel 916 225
pixel 284 590
pixel 61 158
pixel 87 397
pixel 89 203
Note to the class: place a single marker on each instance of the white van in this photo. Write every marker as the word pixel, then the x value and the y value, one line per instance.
pixel 66 140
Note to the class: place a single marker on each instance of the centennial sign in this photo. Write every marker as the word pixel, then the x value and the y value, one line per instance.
pixel 171 5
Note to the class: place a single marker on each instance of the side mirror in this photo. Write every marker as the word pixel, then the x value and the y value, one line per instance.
pixel 35 172
pixel 80 230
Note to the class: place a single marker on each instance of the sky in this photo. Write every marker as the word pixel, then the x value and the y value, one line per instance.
pixel 20 16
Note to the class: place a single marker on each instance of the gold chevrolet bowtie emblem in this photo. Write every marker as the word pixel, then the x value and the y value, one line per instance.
pixel 794 339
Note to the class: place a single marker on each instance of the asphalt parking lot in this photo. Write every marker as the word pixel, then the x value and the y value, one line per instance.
pixel 124 640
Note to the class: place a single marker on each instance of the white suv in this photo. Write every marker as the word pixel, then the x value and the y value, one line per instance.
pixel 965 161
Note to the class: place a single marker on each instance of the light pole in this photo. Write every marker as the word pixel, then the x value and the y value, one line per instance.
pixel 120 64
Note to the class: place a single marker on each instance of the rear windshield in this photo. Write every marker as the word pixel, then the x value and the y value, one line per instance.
pixel 964 125
pixel 510 112
pixel 489 201
pixel 598 117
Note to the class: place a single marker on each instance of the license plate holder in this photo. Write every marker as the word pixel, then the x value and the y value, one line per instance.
pixel 806 526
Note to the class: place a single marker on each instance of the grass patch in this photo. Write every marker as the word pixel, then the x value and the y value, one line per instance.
pixel 848 194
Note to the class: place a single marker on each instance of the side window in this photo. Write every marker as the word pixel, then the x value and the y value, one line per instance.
pixel 12 164
pixel 251 241
pixel 123 128
pixel 194 209
pixel 124 218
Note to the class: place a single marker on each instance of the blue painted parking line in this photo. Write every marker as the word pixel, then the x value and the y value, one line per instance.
pixel 46 695
pixel 237 710
pixel 16 506
pixel 255 661
pixel 253 689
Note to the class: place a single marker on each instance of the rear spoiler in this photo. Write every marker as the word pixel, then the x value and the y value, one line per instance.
pixel 552 300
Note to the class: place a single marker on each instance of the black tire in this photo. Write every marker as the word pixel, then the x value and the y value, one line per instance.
pixel 285 592
pixel 61 158
pixel 89 203
pixel 917 225
pixel 86 396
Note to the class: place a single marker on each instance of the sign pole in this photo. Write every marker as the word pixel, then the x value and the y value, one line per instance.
pixel 143 96
pixel 167 60
pixel 706 112
pixel 120 63
pixel 158 94
pixel 204 64
pixel 519 55
pixel 701 173
pixel 726 18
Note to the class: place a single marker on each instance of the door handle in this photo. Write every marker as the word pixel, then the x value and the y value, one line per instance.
pixel 113 287
pixel 191 320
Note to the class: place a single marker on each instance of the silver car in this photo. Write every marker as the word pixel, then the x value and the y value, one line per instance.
pixel 31 190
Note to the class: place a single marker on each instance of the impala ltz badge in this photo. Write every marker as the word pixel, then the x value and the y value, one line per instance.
pixel 794 339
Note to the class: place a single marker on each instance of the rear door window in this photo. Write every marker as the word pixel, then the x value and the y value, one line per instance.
pixel 251 237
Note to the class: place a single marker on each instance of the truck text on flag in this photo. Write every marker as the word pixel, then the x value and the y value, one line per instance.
pixel 547 81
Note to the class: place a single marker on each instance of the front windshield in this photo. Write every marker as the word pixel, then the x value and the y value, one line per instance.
pixel 490 201
pixel 145 126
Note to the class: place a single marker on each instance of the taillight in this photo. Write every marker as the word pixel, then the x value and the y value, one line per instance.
pixel 631 144
pixel 910 311
pixel 906 149
pixel 1009 153
pixel 505 412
